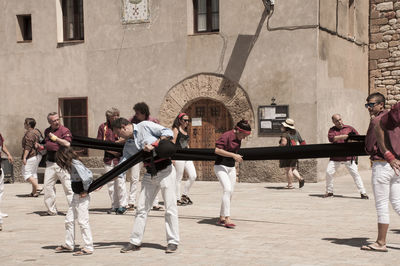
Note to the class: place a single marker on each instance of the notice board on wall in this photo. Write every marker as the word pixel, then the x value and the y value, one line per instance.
pixel 270 118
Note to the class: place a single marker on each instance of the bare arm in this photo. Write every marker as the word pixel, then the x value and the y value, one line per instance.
pixel 24 156
pixel 9 157
pixel 60 141
pixel 380 136
pixel 340 137
pixel 237 157
pixel 283 141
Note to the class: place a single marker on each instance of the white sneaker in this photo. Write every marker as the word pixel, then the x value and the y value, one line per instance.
pixel 4 215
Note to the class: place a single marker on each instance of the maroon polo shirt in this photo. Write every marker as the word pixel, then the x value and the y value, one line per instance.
pixel 345 130
pixel 371 144
pixel 61 132
pixel 390 121
pixel 105 133
pixel 228 142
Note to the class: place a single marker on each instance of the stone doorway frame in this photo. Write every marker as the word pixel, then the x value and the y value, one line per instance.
pixel 207 85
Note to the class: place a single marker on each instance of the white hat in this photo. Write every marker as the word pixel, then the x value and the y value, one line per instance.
pixel 289 123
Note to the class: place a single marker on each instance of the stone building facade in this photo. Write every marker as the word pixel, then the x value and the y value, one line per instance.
pixel 311 56
pixel 384 55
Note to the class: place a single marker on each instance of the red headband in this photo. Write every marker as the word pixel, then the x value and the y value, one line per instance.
pixel 181 115
pixel 242 130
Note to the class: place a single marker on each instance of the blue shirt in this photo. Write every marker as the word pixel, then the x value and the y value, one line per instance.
pixel 79 172
pixel 145 132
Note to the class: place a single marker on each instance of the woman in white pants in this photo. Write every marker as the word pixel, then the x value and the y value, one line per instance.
pixel 30 156
pixel 226 149
pixel 181 140
pixel 81 178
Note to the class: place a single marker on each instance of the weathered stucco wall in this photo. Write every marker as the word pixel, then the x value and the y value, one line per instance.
pixel 119 65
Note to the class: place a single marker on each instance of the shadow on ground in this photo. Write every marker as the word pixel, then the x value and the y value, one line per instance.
pixel 353 242
pixel 106 245
pixel 334 196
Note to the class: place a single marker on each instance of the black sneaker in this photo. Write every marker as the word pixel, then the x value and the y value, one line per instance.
pixel 129 247
pixel 301 183
pixel 120 210
pixel 171 248
pixel 186 199
pixel 364 196
pixel 328 195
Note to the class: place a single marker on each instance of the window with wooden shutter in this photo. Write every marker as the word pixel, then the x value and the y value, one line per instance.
pixel 206 15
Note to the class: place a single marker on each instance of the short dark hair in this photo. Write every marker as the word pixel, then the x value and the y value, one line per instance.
pixel 244 124
pixel 120 122
pixel 378 96
pixel 143 108
pixel 31 122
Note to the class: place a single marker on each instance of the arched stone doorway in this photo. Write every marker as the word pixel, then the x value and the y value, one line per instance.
pixel 212 90
pixel 210 119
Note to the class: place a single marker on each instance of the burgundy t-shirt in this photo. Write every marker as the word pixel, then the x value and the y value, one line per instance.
pixel 391 122
pixel 61 132
pixel 371 144
pixel 228 142
pixel 105 133
pixel 345 130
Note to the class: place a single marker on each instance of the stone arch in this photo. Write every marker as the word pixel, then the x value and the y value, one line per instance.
pixel 207 85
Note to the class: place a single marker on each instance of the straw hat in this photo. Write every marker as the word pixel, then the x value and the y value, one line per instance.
pixel 289 123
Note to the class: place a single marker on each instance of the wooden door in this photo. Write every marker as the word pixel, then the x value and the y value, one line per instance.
pixel 215 120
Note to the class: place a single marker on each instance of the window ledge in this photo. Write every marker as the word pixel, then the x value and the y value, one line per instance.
pixel 69 43
pixel 204 33
pixel 27 41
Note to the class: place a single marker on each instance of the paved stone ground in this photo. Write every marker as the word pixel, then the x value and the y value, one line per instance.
pixel 274 227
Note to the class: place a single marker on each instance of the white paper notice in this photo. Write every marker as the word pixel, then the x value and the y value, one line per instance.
pixel 196 122
pixel 266 124
pixel 269 113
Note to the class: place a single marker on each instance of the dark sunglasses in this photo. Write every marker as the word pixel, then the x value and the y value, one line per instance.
pixel 370 105
pixel 186 120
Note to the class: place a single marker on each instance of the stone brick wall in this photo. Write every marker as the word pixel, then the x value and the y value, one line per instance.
pixel 384 49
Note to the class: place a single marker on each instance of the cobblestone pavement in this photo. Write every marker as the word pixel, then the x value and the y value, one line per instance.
pixel 274 227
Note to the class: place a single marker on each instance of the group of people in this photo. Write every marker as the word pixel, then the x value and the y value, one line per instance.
pixel 162 174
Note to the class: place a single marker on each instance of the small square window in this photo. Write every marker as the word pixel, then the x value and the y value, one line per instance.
pixel 24 28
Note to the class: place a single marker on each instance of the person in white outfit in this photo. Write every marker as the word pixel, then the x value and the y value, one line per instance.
pixel 55 136
pixel 81 178
pixel 181 140
pixel 160 176
pixel 339 133
pixel 226 149
pixel 117 187
pixel 11 160
pixel 31 156
pixel 382 142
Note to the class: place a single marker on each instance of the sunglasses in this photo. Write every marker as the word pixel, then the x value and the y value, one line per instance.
pixel 185 120
pixel 370 105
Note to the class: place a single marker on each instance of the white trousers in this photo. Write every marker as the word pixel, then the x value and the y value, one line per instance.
pixel 53 173
pixel 78 210
pixel 353 170
pixel 30 169
pixel 386 187
pixel 227 178
pixel 164 181
pixel 181 167
pixel 133 175
pixel 1 191
pixel 116 189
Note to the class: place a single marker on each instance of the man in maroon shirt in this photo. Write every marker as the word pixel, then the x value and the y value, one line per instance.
pixel 117 187
pixel 142 113
pixel 55 136
pixel 385 181
pixel 339 134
